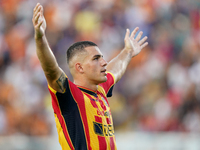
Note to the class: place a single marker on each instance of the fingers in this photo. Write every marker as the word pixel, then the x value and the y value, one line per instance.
pixel 39 24
pixel 37 12
pixel 127 34
pixel 142 40
pixel 36 7
pixel 134 32
pixel 145 44
pixel 137 39
pixel 36 18
pixel 139 36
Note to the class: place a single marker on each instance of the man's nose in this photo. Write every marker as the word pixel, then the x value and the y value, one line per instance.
pixel 103 62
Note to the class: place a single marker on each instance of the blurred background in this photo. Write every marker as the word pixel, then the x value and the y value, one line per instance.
pixel 156 105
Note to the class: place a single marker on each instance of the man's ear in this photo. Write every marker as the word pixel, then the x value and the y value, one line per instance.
pixel 79 67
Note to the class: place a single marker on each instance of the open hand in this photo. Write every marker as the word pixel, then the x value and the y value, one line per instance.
pixel 39 21
pixel 134 44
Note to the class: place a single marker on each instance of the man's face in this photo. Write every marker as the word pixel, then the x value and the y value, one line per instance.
pixel 94 66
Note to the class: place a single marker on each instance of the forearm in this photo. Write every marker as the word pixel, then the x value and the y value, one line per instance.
pixel 117 66
pixel 46 57
pixel 133 46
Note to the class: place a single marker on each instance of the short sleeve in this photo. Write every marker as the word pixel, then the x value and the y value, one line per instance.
pixel 109 84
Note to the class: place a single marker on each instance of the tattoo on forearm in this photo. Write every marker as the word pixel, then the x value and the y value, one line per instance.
pixel 61 81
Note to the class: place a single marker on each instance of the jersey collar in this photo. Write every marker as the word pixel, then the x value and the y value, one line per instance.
pixel 88 91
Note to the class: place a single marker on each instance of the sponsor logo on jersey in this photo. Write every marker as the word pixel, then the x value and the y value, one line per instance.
pixel 103 130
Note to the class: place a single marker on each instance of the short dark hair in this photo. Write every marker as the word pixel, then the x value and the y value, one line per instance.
pixel 78 47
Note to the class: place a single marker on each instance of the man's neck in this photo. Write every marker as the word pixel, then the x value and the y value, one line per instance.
pixel 90 86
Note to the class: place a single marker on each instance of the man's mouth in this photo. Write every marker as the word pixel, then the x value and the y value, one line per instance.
pixel 103 71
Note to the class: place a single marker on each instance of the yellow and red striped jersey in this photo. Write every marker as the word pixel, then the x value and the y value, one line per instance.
pixel 83 117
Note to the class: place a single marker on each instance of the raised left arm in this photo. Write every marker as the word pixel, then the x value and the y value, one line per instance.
pixel 117 66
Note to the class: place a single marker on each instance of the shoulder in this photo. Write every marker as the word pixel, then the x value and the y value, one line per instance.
pixel 63 85
pixel 110 81
pixel 111 77
pixel 107 87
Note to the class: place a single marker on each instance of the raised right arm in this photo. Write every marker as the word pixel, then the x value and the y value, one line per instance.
pixel 54 74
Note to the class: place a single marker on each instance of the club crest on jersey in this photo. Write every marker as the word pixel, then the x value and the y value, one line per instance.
pixel 104 101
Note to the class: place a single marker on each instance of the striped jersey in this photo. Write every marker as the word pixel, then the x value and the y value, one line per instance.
pixel 83 117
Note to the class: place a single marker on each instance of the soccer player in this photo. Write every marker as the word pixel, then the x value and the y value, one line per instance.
pixel 82 113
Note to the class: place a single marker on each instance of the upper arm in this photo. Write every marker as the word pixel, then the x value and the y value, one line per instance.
pixel 56 79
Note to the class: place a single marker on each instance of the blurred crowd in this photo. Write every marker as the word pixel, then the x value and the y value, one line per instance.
pixel 160 90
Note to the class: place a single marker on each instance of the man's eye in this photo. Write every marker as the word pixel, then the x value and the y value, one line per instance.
pixel 96 58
